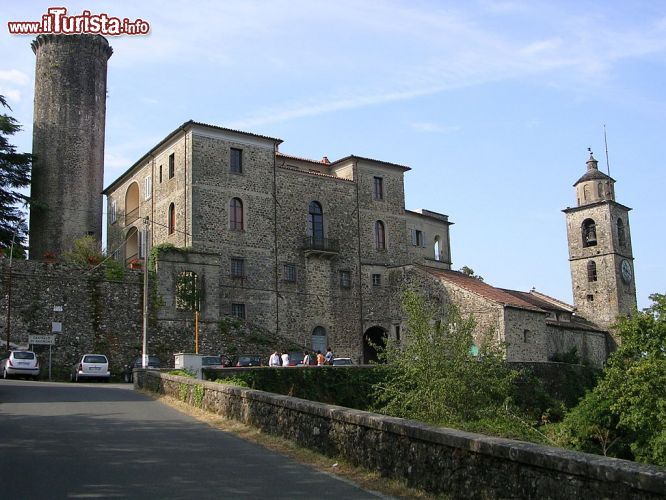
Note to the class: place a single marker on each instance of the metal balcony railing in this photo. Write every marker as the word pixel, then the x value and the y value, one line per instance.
pixel 321 245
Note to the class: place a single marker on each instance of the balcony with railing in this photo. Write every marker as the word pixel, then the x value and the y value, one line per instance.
pixel 325 247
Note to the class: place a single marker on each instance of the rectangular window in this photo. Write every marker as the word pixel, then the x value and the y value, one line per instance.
pixel 378 189
pixel 172 165
pixel 160 174
pixel 238 310
pixel 397 333
pixel 114 212
pixel 290 272
pixel 345 279
pixel 147 187
pixel 237 268
pixel 236 161
pixel 417 238
pixel 376 280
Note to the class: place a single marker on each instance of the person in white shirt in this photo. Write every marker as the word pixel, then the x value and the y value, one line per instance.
pixel 329 356
pixel 274 360
pixel 285 359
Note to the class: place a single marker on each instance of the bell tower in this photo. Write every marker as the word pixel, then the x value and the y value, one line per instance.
pixel 600 255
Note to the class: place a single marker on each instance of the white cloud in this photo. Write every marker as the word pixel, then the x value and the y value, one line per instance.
pixel 14 77
pixel 11 95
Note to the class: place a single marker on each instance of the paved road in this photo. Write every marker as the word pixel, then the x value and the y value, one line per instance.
pixel 97 440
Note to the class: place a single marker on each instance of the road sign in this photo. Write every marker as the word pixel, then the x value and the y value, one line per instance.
pixel 41 339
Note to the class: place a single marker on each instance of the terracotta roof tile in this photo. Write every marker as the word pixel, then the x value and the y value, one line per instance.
pixel 323 161
pixel 536 300
pixel 483 289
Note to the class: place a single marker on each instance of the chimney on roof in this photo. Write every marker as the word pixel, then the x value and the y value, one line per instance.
pixel 325 160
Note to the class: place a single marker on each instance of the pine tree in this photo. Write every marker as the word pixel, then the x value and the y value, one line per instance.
pixel 14 175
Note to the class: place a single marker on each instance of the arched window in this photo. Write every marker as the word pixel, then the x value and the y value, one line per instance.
pixel 586 192
pixel 589 233
pixel 236 214
pixel 621 238
pixel 600 190
pixel 380 236
pixel 319 339
pixel 591 271
pixel 315 221
pixel 437 249
pixel 172 218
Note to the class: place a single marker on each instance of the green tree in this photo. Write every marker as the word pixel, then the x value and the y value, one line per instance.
pixel 85 251
pixel 470 272
pixel 625 414
pixel 434 377
pixel 14 175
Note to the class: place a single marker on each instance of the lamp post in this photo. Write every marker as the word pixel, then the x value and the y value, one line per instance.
pixel 9 289
pixel 144 356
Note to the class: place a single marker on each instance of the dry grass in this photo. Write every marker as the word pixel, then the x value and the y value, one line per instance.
pixel 368 480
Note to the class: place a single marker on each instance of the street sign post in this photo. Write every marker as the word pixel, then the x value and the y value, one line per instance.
pixel 41 339
pixel 48 340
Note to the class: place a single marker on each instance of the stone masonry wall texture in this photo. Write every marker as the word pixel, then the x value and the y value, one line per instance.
pixel 68 141
pixel 438 460
pixel 97 315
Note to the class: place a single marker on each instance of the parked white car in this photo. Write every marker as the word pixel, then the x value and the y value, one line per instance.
pixel 91 366
pixel 20 364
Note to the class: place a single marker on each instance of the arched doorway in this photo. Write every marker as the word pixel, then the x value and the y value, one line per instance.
pixel 319 339
pixel 132 245
pixel 373 339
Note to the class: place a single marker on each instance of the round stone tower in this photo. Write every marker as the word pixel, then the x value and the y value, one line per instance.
pixel 68 141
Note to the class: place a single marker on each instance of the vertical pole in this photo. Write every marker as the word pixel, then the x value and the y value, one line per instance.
pixel 9 290
pixel 50 346
pixel 144 357
pixel 196 332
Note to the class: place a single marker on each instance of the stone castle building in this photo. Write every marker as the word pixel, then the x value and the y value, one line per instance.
pixel 68 141
pixel 319 251
pixel 299 247
pixel 312 251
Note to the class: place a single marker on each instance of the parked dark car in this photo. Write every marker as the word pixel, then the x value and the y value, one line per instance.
pixel 296 358
pixel 251 360
pixel 128 374
pixel 215 361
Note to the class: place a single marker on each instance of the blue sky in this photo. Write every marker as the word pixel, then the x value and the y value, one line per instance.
pixel 492 104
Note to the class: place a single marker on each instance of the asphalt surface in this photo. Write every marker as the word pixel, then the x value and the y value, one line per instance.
pixel 96 440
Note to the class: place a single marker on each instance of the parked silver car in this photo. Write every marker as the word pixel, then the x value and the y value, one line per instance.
pixel 20 364
pixel 91 366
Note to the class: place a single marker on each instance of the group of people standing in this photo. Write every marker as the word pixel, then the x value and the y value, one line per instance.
pixel 309 358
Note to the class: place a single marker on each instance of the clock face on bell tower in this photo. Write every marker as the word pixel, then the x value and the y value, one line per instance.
pixel 600 253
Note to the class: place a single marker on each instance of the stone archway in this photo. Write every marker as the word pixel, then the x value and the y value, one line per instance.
pixel 373 338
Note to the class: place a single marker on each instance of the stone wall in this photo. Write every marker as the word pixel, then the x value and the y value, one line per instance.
pixel 438 460
pixel 96 314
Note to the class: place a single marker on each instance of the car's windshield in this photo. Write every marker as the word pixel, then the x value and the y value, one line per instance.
pixel 24 355
pixel 94 359
pixel 210 360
